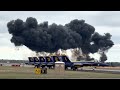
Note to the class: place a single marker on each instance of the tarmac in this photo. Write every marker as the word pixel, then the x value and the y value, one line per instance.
pixel 99 70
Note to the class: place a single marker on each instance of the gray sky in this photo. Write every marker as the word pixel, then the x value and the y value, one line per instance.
pixel 103 21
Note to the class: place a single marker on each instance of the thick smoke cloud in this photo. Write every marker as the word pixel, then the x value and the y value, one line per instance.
pixel 85 31
pixel 50 38
pixel 43 37
pixel 101 42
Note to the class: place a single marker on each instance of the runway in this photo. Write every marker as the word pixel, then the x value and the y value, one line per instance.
pixel 100 70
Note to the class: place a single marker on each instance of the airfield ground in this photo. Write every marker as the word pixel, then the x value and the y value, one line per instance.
pixel 7 72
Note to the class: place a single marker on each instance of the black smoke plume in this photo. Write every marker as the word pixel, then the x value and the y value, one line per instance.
pixel 50 38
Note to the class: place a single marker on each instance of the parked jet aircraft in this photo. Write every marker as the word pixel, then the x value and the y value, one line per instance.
pixel 49 61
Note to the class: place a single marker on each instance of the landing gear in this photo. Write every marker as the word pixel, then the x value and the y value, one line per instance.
pixel 74 68
pixel 66 68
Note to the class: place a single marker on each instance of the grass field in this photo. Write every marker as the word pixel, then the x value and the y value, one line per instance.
pixel 7 72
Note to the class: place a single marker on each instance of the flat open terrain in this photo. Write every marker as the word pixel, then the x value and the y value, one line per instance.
pixel 8 72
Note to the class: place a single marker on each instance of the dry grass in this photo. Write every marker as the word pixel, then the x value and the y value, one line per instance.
pixel 28 73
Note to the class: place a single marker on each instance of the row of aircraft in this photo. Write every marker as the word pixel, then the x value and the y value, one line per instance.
pixel 49 61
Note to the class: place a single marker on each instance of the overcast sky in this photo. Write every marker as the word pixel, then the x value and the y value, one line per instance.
pixel 103 21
